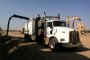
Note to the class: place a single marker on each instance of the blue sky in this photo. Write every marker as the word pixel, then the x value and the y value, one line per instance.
pixel 31 8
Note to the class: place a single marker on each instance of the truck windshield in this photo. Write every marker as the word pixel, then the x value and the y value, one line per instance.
pixel 59 23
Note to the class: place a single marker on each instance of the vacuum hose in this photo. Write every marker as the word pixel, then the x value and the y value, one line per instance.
pixel 16 16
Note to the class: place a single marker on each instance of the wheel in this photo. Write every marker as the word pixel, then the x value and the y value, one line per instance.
pixel 27 38
pixel 53 43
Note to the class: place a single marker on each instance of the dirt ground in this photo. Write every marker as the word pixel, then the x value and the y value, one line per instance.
pixel 33 51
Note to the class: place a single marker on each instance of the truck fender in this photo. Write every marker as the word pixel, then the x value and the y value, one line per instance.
pixel 53 37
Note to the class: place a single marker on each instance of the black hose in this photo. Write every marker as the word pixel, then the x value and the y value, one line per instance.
pixel 17 16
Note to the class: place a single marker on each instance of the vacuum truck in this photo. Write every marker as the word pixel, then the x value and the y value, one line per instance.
pixel 51 31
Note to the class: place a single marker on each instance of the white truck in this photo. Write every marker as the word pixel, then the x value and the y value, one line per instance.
pixel 52 32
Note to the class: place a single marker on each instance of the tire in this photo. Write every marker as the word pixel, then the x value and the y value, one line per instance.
pixel 53 43
pixel 27 38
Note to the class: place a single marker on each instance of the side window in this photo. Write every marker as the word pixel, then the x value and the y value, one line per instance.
pixel 49 24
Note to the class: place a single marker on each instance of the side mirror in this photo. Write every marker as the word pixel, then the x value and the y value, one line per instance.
pixel 50 25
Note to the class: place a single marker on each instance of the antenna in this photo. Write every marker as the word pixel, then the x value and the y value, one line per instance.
pixel 38 15
pixel 59 16
pixel 45 14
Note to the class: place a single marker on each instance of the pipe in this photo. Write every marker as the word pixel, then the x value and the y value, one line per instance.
pixel 17 16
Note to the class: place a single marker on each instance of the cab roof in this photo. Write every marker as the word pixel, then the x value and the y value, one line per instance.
pixel 55 20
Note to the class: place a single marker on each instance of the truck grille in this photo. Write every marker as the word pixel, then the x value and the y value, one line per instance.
pixel 74 37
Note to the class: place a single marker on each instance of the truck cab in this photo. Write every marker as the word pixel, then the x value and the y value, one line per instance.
pixel 59 33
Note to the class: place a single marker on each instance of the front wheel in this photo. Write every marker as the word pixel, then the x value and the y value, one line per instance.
pixel 53 43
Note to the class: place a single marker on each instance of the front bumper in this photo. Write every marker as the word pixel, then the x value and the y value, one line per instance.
pixel 71 45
